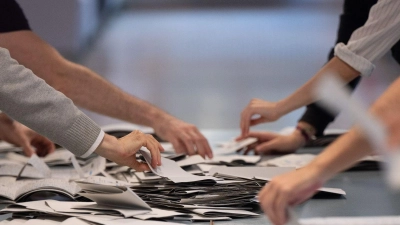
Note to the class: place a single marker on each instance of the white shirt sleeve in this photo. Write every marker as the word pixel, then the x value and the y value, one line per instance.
pixel 371 41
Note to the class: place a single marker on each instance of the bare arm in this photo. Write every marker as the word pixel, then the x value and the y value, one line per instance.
pixel 89 90
pixel 293 188
pixel 271 111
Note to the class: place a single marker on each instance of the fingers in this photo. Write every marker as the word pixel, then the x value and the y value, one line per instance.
pixel 43 146
pixel 28 150
pixel 191 142
pixel 274 203
pixel 245 118
pixel 188 144
pixel 154 147
pixel 201 143
pixel 138 166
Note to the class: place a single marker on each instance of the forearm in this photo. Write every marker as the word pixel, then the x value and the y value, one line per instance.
pixel 86 88
pixel 353 146
pixel 29 100
pixel 305 94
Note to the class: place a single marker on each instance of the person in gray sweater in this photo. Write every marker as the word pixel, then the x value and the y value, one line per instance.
pixel 31 101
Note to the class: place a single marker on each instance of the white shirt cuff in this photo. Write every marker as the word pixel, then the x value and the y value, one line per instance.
pixel 359 63
pixel 95 145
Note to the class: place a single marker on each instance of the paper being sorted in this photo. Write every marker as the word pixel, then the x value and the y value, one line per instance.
pixel 171 170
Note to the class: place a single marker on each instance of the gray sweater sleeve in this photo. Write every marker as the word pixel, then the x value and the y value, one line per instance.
pixel 29 100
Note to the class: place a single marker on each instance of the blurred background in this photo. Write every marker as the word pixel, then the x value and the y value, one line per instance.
pixel 201 60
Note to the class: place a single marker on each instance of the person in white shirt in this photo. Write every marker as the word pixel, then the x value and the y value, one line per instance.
pixel 366 45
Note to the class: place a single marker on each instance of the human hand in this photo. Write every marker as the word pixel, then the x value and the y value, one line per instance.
pixel 288 190
pixel 266 111
pixel 19 135
pixel 123 151
pixel 185 137
pixel 269 142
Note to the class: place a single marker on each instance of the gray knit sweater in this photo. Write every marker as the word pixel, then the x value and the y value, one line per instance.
pixel 29 100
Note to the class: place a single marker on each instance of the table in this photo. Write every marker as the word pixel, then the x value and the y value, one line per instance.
pixel 367 194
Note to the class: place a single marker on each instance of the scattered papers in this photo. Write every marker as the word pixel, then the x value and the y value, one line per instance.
pixel 291 160
pixel 250 172
pixel 232 146
pixel 126 198
pixel 229 213
pixel 301 160
pixel 172 171
pixel 190 160
pixel 240 159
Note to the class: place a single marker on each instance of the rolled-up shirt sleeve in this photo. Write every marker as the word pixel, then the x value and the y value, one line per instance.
pixel 371 41
pixel 32 102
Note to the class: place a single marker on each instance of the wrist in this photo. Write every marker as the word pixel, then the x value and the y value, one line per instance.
pixel 108 146
pixel 299 138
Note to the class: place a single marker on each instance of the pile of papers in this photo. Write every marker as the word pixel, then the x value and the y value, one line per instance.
pixel 182 189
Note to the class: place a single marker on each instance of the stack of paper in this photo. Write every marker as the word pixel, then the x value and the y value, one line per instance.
pixel 183 188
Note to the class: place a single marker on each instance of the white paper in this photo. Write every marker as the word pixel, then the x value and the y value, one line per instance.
pixel 126 199
pixel 172 171
pixel 230 158
pixel 232 146
pixel 74 221
pixel 160 213
pixel 291 160
pixel 190 160
pixel 123 211
pixel 232 212
pixel 102 181
pixel 77 167
pixel 251 172
pixel 206 167
pixel 68 207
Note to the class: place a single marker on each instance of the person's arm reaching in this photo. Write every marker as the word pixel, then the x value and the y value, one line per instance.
pixel 295 187
pixel 91 91
pixel 29 100
pixel 367 44
pixel 271 111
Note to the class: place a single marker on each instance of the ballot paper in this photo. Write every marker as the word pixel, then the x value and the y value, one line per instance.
pixel 190 160
pixel 290 160
pixel 99 180
pixel 207 167
pixel 240 159
pixel 229 213
pixel 69 207
pixel 172 171
pixel 250 172
pixel 161 214
pixel 13 189
pixel 229 147
pixel 368 220
pixel 119 197
pixel 301 160
pixel 105 209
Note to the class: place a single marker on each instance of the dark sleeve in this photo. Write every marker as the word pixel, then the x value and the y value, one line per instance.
pixel 12 17
pixel 355 14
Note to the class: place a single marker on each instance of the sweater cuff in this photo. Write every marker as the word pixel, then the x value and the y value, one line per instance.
pixel 95 145
pixel 359 63
pixel 83 136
